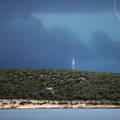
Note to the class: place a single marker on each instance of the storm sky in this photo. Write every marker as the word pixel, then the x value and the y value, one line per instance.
pixel 50 33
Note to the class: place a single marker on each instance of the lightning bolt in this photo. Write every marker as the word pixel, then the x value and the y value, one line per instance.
pixel 115 10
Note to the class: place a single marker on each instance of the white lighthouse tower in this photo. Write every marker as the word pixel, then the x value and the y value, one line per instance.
pixel 73 64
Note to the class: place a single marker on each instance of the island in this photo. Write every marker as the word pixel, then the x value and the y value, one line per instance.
pixel 58 88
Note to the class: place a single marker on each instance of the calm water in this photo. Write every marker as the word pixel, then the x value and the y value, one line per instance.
pixel 60 114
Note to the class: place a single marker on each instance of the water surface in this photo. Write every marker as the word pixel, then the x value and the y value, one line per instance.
pixel 60 114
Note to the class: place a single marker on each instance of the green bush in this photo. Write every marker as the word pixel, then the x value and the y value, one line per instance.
pixel 66 84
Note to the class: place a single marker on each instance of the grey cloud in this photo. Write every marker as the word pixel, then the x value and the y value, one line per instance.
pixel 106 55
pixel 27 43
pixel 105 46
pixel 25 7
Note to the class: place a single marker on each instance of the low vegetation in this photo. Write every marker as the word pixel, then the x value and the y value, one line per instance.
pixel 59 84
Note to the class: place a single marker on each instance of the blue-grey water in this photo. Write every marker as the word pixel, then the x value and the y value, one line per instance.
pixel 60 114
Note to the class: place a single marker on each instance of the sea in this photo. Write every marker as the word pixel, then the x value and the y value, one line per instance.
pixel 60 114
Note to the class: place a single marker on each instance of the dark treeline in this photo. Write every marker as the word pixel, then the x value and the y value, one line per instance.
pixel 58 84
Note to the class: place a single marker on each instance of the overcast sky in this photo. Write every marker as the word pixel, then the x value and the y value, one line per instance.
pixel 49 33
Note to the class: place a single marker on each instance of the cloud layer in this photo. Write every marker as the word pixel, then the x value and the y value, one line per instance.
pixel 25 42
pixel 56 6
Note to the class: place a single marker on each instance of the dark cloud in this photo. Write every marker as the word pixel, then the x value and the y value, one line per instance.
pixel 105 46
pixel 27 43
pixel 106 52
pixel 25 7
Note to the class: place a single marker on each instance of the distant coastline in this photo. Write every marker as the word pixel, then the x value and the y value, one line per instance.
pixel 58 88
pixel 46 104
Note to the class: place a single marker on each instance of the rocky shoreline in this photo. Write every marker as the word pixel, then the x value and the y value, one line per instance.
pixel 52 104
